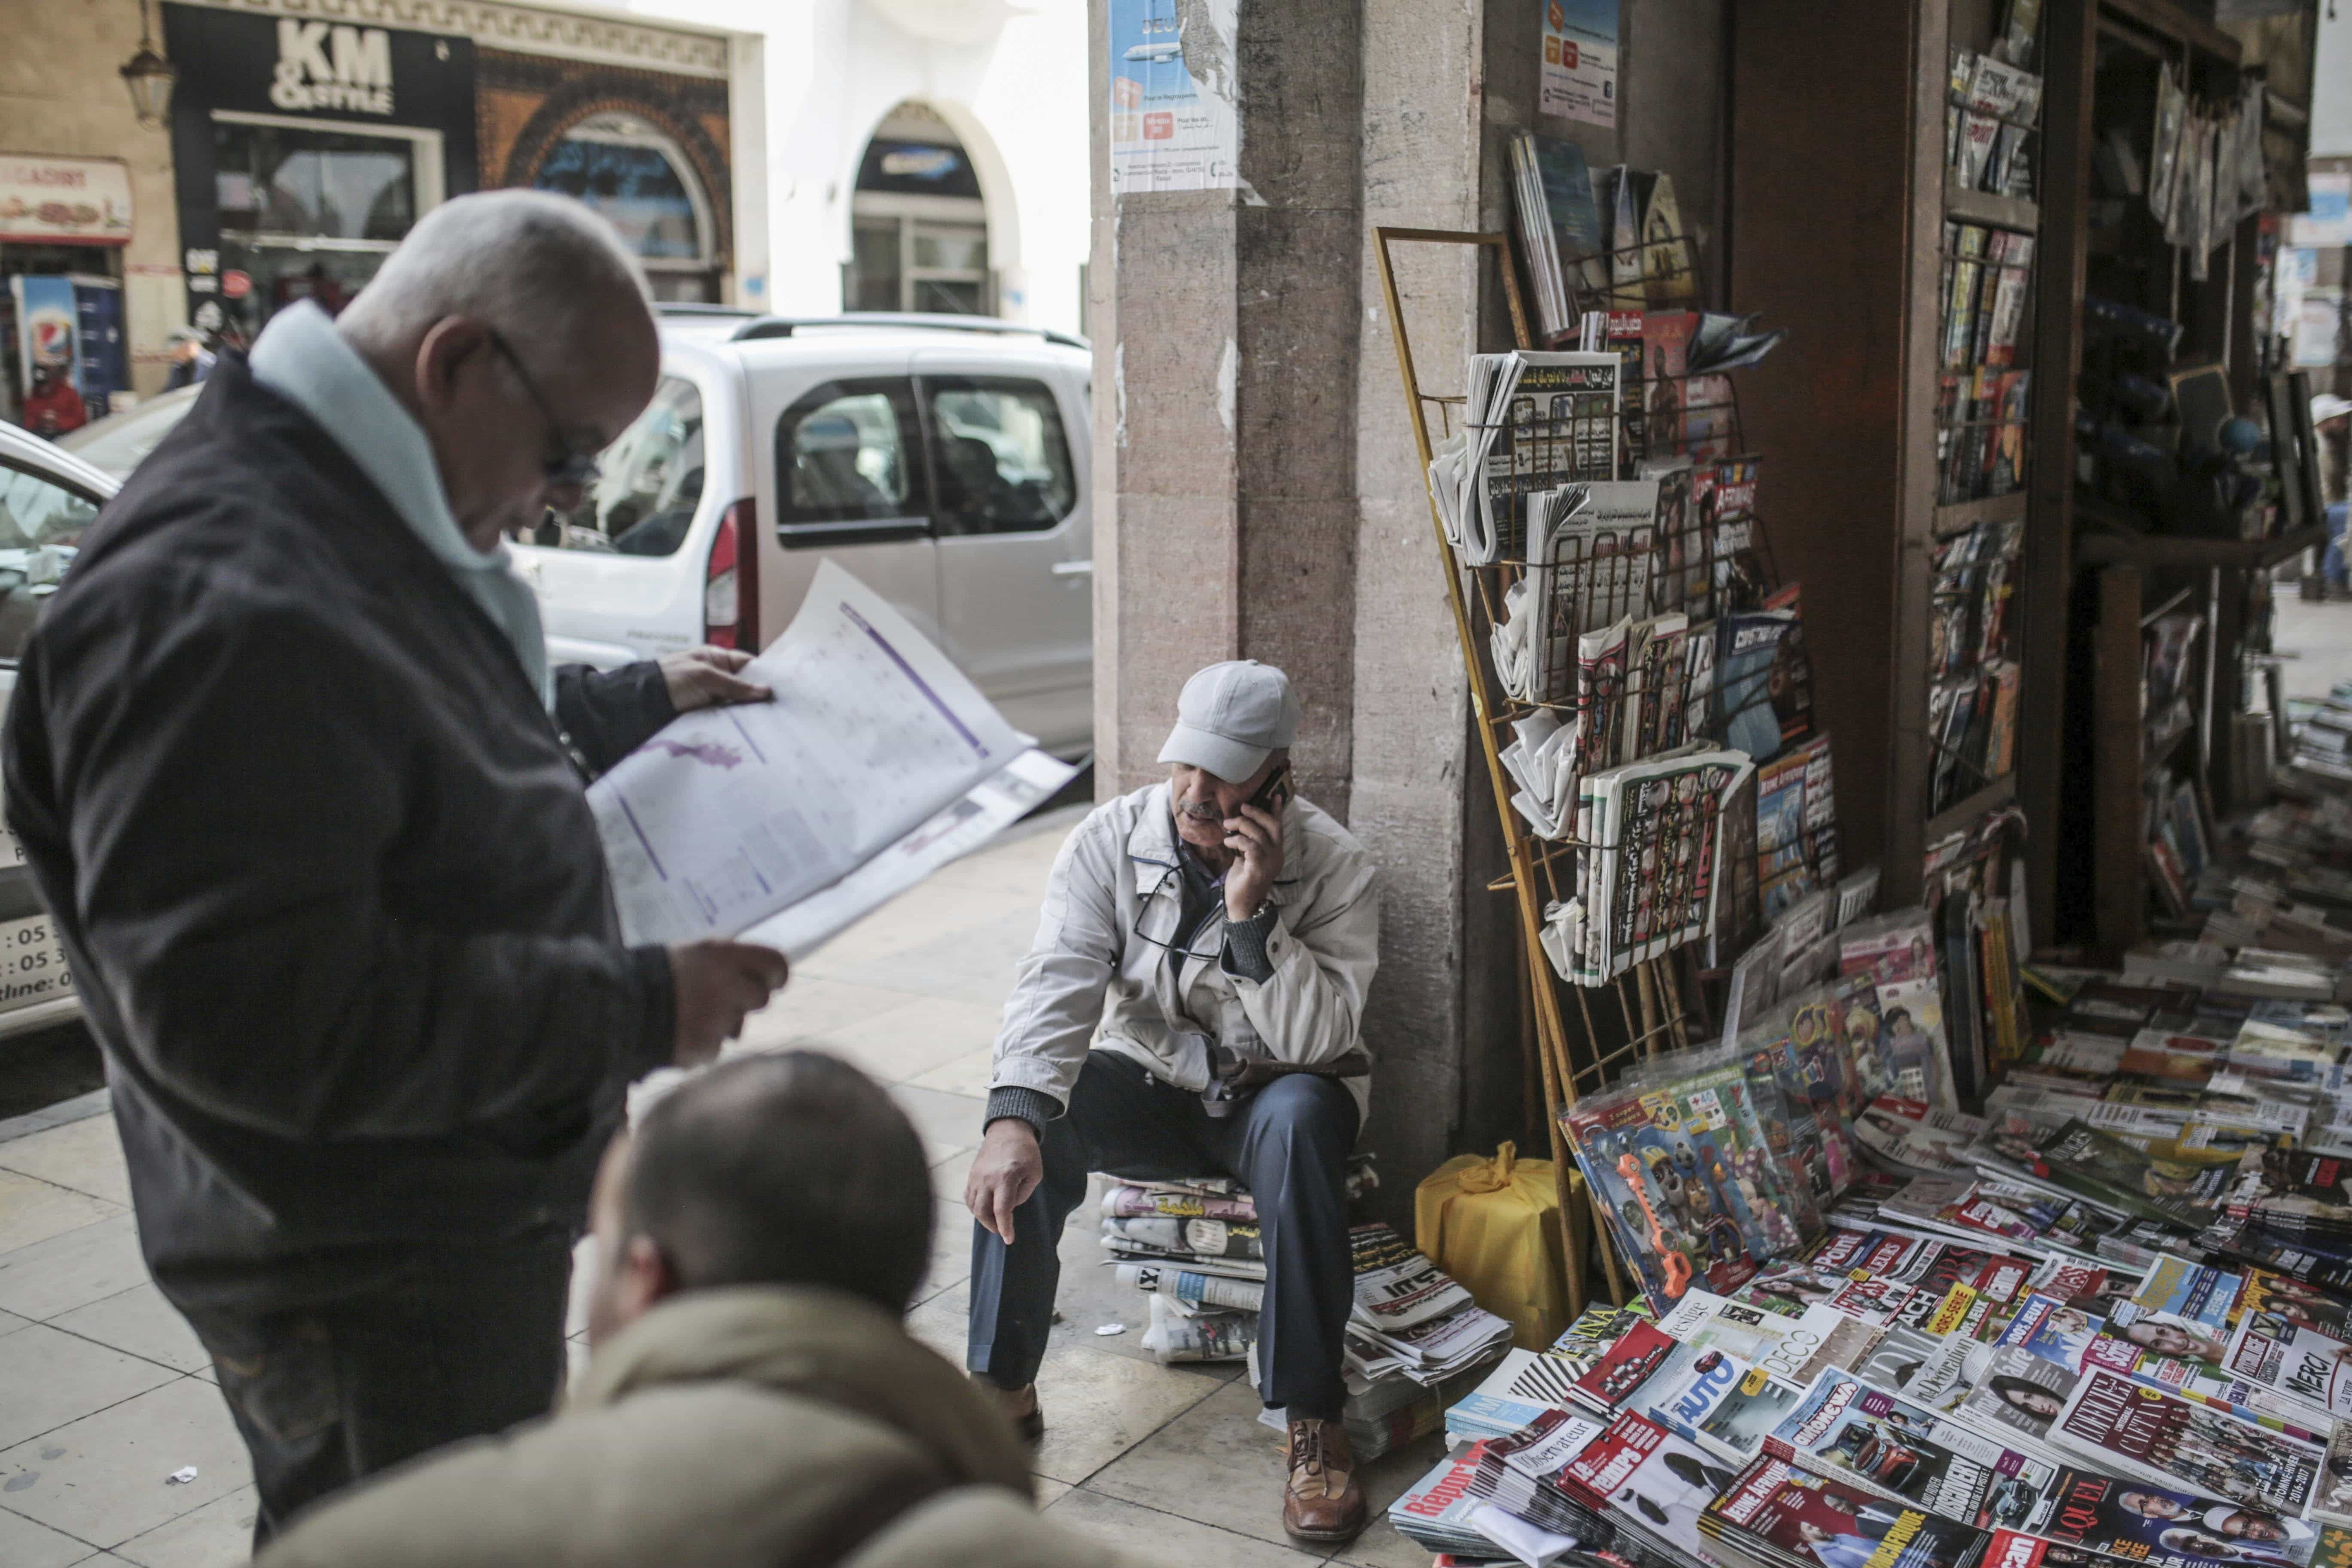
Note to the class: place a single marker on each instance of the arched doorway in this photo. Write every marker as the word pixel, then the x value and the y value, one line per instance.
pixel 626 168
pixel 919 225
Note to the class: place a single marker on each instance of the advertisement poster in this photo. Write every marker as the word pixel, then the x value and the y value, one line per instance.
pixel 1173 126
pixel 48 325
pixel 1579 60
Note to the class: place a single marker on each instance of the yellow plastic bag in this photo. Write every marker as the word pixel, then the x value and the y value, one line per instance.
pixel 1493 1225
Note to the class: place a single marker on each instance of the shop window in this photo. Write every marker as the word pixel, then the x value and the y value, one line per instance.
pixel 999 450
pixel 642 183
pixel 309 211
pixel 918 228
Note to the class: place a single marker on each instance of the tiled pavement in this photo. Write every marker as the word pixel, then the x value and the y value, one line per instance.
pixel 104 1393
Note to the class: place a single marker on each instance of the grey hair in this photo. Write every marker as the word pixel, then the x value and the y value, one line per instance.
pixel 539 267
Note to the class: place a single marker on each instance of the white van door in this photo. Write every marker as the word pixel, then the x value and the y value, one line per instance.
pixel 1015 548
pixel 843 476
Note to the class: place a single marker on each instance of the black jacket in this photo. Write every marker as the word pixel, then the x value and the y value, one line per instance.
pixel 322 864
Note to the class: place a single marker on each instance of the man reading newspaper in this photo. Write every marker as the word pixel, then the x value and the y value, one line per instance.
pixel 1190 1006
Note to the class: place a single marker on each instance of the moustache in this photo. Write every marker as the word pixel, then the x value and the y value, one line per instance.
pixel 1202 813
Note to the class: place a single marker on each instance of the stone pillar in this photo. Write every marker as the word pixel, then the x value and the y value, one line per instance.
pixel 1224 400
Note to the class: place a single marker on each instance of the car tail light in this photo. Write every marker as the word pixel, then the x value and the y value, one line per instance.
pixel 730 583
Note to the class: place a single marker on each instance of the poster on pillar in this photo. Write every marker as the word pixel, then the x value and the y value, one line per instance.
pixel 1579 60
pixel 1173 122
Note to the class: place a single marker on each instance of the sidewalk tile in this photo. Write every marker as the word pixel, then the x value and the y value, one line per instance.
pixel 85 1155
pixel 32 1211
pixel 1098 1407
pixel 950 1123
pixel 24 1544
pixel 926 1032
pixel 1213 1463
pixel 141 1322
pixel 105 1477
pixel 218 1535
pixel 970 1073
pixel 1164 1537
pixel 49 1379
pixel 73 1270
pixel 811 1004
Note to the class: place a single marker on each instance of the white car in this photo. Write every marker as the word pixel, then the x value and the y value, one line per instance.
pixel 47 497
pixel 941 459
pixel 944 460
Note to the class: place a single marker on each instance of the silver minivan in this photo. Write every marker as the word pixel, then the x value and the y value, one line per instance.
pixel 944 460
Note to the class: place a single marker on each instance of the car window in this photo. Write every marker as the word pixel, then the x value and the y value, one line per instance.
pixel 645 499
pixel 841 454
pixel 1002 459
pixel 41 525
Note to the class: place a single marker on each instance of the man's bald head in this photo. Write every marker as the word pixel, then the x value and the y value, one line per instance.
pixel 542 269
pixel 514 325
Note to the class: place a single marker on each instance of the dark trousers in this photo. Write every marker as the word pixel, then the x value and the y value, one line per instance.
pixel 441 1343
pixel 1288 1142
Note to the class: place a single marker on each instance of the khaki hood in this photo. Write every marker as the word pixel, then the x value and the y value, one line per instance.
pixel 817 1343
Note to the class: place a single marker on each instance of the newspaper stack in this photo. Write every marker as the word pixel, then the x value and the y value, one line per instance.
pixel 1194 1249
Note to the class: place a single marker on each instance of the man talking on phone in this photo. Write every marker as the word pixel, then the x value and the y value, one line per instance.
pixel 1189 1007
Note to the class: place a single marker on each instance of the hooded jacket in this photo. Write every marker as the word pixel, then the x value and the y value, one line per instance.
pixel 323 866
pixel 751 1426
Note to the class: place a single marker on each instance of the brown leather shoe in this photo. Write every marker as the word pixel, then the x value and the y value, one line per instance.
pixel 1021 1405
pixel 1322 1501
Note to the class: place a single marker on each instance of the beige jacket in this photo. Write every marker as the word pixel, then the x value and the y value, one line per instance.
pixel 748 1428
pixel 1101 973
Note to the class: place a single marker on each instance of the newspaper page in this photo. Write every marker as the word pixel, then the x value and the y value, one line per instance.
pixel 877 762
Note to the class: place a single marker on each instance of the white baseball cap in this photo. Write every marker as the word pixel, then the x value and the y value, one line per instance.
pixel 2327 405
pixel 1231 718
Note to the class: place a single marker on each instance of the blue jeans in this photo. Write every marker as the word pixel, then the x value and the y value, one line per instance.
pixel 2331 563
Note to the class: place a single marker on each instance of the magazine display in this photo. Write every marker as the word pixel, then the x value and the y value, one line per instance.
pixel 1775 1512
pixel 1885 1444
pixel 2114 1422
pixel 2163 1528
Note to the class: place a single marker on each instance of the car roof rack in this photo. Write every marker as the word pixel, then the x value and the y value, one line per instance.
pixel 698 308
pixel 785 326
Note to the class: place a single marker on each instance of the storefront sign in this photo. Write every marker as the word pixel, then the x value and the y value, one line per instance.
pixel 64 201
pixel 332 68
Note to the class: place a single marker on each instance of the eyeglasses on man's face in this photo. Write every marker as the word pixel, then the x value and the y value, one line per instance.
pixel 568 468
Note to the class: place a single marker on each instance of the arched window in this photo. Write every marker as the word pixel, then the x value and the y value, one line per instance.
pixel 918 227
pixel 642 183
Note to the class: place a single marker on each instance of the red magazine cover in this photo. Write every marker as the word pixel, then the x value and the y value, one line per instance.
pixel 1794 1515
pixel 1638 1352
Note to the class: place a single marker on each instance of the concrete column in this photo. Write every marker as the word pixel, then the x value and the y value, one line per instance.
pixel 1224 404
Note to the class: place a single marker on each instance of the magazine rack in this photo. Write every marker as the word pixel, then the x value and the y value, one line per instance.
pixel 1652 995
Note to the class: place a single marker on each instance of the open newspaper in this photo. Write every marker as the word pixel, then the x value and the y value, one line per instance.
pixel 783 822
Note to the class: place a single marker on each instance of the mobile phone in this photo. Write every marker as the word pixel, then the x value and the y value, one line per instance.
pixel 1275 794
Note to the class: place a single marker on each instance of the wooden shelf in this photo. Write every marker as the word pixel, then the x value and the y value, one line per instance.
pixel 2175 22
pixel 1994 795
pixel 1962 516
pixel 2165 549
pixel 1984 207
